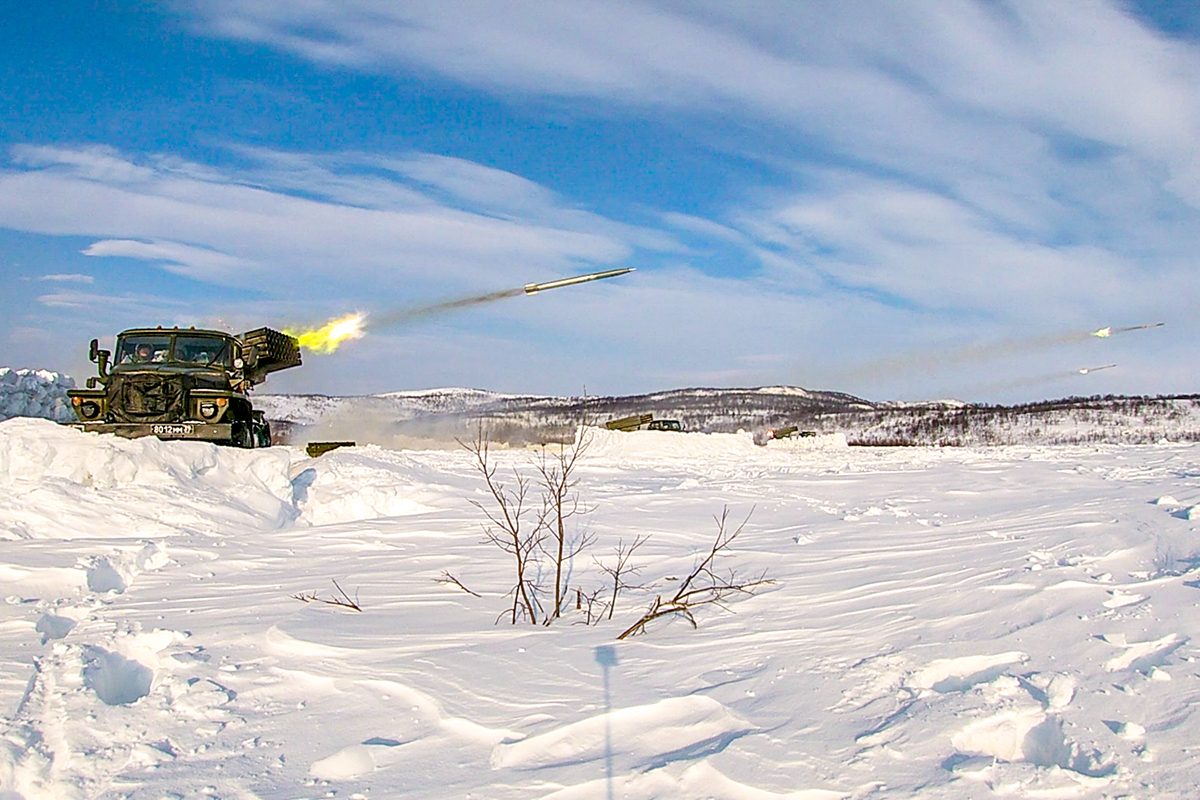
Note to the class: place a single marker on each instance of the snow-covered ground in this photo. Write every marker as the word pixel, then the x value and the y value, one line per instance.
pixel 944 623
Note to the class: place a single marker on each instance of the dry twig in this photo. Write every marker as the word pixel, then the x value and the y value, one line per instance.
pixel 621 569
pixel 704 586
pixel 449 579
pixel 341 602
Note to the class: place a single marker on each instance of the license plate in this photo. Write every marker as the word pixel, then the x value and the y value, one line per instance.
pixel 172 430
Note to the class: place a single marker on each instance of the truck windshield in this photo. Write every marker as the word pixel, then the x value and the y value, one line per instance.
pixel 152 348
pixel 205 350
pixel 146 349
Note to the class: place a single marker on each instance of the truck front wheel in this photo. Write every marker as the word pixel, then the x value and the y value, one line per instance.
pixel 243 435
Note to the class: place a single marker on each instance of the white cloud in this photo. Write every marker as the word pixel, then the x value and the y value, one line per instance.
pixel 203 263
pixel 1004 105
pixel 940 177
pixel 68 278
pixel 147 306
pixel 270 237
pixel 934 253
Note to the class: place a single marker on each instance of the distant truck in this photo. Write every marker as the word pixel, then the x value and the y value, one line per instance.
pixel 639 422
pixel 183 383
pixel 788 432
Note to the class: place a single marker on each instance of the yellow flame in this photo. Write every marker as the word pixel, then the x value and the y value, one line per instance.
pixel 1103 333
pixel 330 336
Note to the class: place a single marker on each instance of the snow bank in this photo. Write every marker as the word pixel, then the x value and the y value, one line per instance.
pixel 642 445
pixel 637 737
pixel 826 441
pixel 57 482
pixel 35 393
pixel 361 483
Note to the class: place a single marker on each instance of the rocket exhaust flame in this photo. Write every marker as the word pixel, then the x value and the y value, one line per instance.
pixel 1089 370
pixel 330 336
pixel 327 338
pixel 940 359
pixel 1104 333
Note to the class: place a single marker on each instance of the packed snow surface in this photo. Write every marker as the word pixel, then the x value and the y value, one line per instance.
pixel 942 623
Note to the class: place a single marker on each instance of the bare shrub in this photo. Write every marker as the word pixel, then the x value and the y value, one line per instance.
pixel 620 570
pixel 505 526
pixel 560 502
pixel 704 586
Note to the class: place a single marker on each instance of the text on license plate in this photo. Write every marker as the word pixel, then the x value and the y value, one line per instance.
pixel 172 430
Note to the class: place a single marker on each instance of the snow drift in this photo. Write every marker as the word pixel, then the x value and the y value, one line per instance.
pixel 943 623
pixel 58 482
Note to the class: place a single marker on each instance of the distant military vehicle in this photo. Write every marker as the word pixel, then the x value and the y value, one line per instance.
pixel 632 423
pixel 788 432
pixel 183 383
pixel 639 422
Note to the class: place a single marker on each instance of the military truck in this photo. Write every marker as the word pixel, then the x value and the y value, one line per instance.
pixel 639 422
pixel 636 422
pixel 183 383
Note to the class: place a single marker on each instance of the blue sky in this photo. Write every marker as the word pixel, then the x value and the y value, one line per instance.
pixel 902 200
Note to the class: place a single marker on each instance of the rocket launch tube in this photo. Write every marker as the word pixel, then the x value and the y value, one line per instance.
pixel 534 288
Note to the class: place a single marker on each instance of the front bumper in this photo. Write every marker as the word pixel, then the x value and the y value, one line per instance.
pixel 199 431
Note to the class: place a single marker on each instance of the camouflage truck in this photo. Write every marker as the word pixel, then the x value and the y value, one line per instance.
pixel 183 383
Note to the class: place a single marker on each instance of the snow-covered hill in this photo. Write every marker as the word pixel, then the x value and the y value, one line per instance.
pixel 402 419
pixel 943 623
pixel 436 417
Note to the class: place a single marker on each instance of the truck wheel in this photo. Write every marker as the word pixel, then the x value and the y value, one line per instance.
pixel 243 435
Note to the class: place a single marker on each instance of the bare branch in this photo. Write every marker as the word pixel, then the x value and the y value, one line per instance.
pixel 621 568
pixel 703 586
pixel 341 602
pixel 449 579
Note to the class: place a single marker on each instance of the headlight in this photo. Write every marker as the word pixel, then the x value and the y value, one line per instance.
pixel 89 409
pixel 212 409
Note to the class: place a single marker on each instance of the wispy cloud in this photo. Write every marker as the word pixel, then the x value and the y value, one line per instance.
pixel 909 85
pixel 68 278
pixel 146 305
pixel 295 221
pixel 925 178
pixel 1014 159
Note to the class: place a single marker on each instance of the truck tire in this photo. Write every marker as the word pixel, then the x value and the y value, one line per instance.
pixel 243 435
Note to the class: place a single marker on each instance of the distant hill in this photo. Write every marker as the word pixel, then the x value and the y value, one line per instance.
pixel 443 414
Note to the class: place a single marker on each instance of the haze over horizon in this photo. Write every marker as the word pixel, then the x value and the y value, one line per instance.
pixel 910 201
